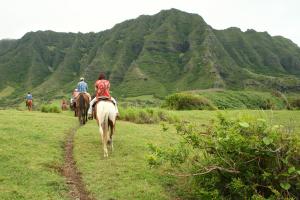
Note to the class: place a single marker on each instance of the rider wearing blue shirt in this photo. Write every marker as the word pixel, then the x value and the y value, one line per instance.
pixel 83 87
pixel 29 96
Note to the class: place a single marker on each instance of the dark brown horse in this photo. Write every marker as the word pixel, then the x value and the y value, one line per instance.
pixel 29 104
pixel 82 106
pixel 73 107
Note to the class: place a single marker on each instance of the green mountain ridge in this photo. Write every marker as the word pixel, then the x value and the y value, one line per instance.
pixel 160 54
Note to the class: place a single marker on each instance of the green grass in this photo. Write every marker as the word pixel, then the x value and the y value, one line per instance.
pixel 30 143
pixel 125 174
pixel 227 99
pixel 141 101
pixel 145 115
pixel 143 97
pixel 50 108
pixel 290 119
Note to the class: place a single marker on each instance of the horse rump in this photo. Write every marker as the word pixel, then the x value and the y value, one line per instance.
pixel 82 105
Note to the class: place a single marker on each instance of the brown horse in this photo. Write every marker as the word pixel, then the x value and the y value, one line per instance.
pixel 64 105
pixel 73 107
pixel 82 106
pixel 29 104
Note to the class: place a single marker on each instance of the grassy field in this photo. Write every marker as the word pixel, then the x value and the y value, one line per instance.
pixel 31 145
pixel 277 117
pixel 30 149
pixel 125 174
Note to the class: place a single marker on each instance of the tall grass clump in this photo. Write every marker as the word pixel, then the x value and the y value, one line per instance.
pixel 182 101
pixel 50 109
pixel 145 115
pixel 233 159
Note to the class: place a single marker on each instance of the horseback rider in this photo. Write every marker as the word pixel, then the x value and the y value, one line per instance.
pixel 102 87
pixel 28 96
pixel 74 95
pixel 82 87
pixel 28 102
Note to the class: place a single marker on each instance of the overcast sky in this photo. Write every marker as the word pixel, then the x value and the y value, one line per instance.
pixel 278 17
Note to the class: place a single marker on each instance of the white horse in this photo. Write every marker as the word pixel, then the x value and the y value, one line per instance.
pixel 106 119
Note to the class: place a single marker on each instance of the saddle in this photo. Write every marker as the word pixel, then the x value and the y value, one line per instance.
pixel 103 98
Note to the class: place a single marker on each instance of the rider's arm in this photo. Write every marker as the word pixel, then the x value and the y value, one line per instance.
pixel 96 88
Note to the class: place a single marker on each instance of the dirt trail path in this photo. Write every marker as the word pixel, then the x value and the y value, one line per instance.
pixel 76 186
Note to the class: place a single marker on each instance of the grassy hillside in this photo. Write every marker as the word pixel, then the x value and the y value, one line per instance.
pixel 151 55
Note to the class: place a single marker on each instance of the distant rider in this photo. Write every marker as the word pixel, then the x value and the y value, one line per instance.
pixel 74 95
pixel 28 98
pixel 102 87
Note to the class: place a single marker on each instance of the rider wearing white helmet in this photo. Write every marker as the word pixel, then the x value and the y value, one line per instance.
pixel 83 87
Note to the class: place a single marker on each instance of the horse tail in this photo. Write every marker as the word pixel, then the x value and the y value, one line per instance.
pixel 80 101
pixel 81 104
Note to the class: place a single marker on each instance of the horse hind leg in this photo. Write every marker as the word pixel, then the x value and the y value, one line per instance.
pixel 104 139
pixel 111 132
pixel 83 119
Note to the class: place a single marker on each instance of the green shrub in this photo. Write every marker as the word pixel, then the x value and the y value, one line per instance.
pixel 233 159
pixel 50 109
pixel 182 101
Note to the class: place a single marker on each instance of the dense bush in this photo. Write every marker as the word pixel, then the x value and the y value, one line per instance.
pixel 50 109
pixel 145 115
pixel 234 159
pixel 182 101
pixel 296 103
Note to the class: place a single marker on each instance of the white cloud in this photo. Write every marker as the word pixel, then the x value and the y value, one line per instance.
pixel 17 17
